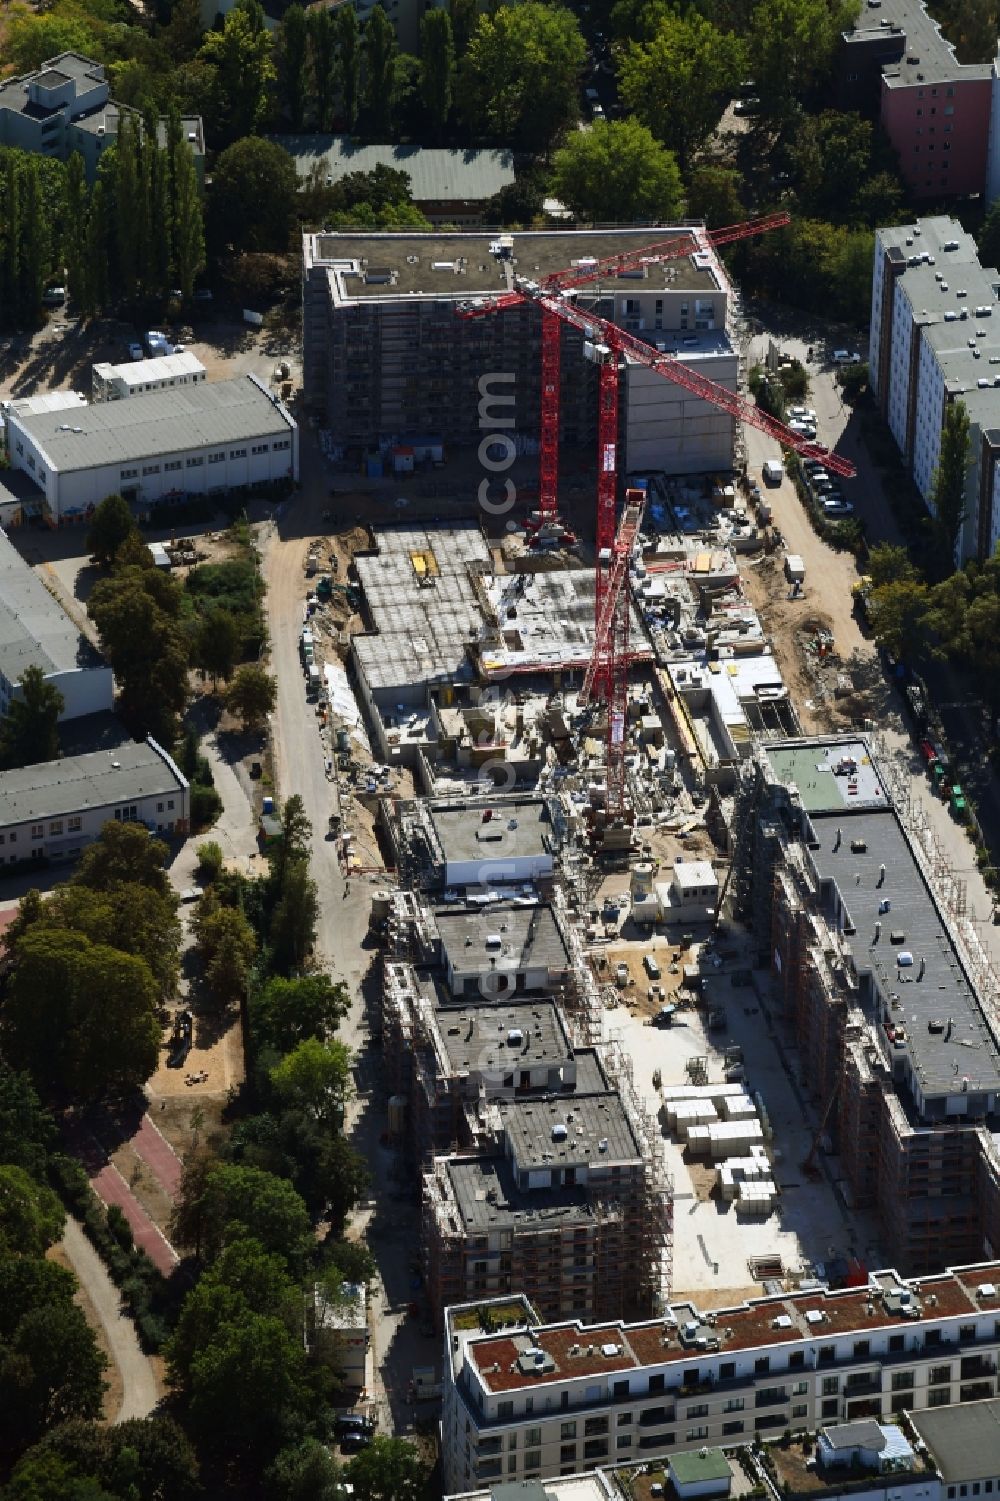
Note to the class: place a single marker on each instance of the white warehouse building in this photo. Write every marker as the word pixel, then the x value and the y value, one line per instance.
pixel 35 631
pixel 935 339
pixel 53 810
pixel 167 445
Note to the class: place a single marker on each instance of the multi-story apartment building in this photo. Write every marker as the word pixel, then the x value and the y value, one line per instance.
pixel 934 340
pixel 881 985
pixel 66 106
pixel 526 1400
pixel 386 357
pixel 939 114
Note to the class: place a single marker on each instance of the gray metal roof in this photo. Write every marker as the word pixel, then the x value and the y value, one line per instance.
pixel 34 629
pixel 80 784
pixel 475 1037
pixel 940 1062
pixel 159 423
pixel 437 174
pixel 866 1434
pixel 487 1197
pixel 515 829
pixel 928 57
pixel 589 1120
pixel 964 1440
pixel 529 937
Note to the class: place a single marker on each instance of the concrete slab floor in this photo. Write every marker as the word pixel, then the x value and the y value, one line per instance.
pixel 712 1244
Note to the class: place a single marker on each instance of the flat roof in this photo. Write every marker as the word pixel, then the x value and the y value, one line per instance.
pixel 487 1197
pixel 164 422
pixel 928 57
pixel 964 1047
pixel 693 1465
pixel 529 936
pixel 830 776
pixel 587 1120
pixel 35 631
pixel 79 784
pixel 462 265
pixel 163 367
pixel 546 622
pixel 964 1439
pixel 513 830
pixel 476 1037
pixel 437 174
pixel 578 1349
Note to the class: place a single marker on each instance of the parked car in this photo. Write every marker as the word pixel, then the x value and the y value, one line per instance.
pixel 203 294
pixel 135 352
pixel 651 967
pixel 846 357
pixel 802 414
pixel 54 296
pixel 837 509
pixel 804 429
pixel 352 1422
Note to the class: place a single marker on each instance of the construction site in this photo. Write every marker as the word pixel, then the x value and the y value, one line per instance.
pixel 675 1000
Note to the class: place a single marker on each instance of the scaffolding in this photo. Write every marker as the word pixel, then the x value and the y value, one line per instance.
pixel 657 1247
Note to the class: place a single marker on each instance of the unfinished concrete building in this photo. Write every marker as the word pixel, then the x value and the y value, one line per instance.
pixel 386 358
pixel 896 1047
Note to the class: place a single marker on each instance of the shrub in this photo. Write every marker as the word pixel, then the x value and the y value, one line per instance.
pixel 206 805
pixel 210 860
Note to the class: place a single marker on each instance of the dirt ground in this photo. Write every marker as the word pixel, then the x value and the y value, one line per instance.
pixel 114 1390
pixel 221 1064
pixel 188 1120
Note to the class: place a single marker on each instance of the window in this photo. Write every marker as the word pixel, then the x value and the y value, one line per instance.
pixel 831 1384
pixel 568 1429
pixel 896 1342
pixel 595 1448
pixel 13 839
pixel 128 813
pixel 800 1388
pixel 949 109
pixel 3 838
pixel 939 1374
pixel 800 1410
pixel 620 1389
pixel 282 443
pixel 657 1383
pixel 532 1460
pixel 150 468
pixel 505 1411
pixel 796 1360
pixel 217 458
pixel 734 1427
pixel 862 1349
pixel 696 1433
pixel 699 1410
pixel 595 1425
pixel 830 1407
pixel 259 448
pixel 237 453
pixel 159 807
pixel 825 1354
pixel 129 474
pixel 623 1441
pixel 727 1370
pixel 902 1381
pixel 172 464
pixel 762 1366
pixel 939 1397
pixel 56 826
pixel 532 1437
pixel 170 802
pixel 193 462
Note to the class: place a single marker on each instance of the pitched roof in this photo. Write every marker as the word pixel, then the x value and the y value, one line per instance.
pixel 437 174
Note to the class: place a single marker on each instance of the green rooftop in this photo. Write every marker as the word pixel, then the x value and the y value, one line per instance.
pixel 699 1464
pixel 829 775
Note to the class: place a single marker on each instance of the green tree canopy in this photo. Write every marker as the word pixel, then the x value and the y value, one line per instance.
pixel 251 695
pixel 379 72
pixel 111 524
pixel 437 66
pixel 520 75
pixel 714 195
pixel 125 853
pixel 791 46
pixel 314 1077
pixel 286 1012
pixel 31 1217
pixel 989 237
pixel 226 946
pixel 241 56
pixel 50 1369
pixel 390 1469
pixel 29 730
pixel 126 915
pixel 252 198
pixel 141 1457
pixel 220 1203
pixel 27 1131
pixel 680 81
pixel 617 171
pixel 948 485
pixel 80 1016
pixel 304 1472
pixel 136 613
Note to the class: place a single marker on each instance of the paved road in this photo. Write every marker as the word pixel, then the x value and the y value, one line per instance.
pixel 140 1395
pixel 157 1153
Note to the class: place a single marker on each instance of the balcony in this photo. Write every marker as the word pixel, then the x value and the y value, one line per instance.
pixel 862 1386
pixel 978 1391
pixel 974 1366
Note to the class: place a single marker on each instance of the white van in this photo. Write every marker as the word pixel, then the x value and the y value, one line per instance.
pixel 772 471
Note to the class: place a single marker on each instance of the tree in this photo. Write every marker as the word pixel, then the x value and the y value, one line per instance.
pixel 463 22
pixel 616 171
pixel 680 82
pixel 293 921
pixel 125 852
pixel 127 915
pixel 253 196
pixel 790 46
pixel 380 54
pixel 110 526
pixel 125 177
pixel 252 696
pixel 50 1371
pixel 714 195
pixel 36 250
pixel 322 26
pixel 437 66
pixel 519 80
pixel 216 644
pixel 330 1176
pixel 29 731
pixel 899 614
pixel 889 564
pixel 226 944
pixel 31 1217
pixel 27 1132
pixel 304 1472
pixel 948 485
pixel 292 43
pixel 241 55
pixel 315 1077
pixel 831 160
pixel 148 1457
pixel 286 1012
pixel 219 1204
pixel 390 1469
pixel 98 237
pixel 75 233
pixel 81 1017
pixel 349 56
pixel 989 237
pixel 137 616
pixel 188 218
